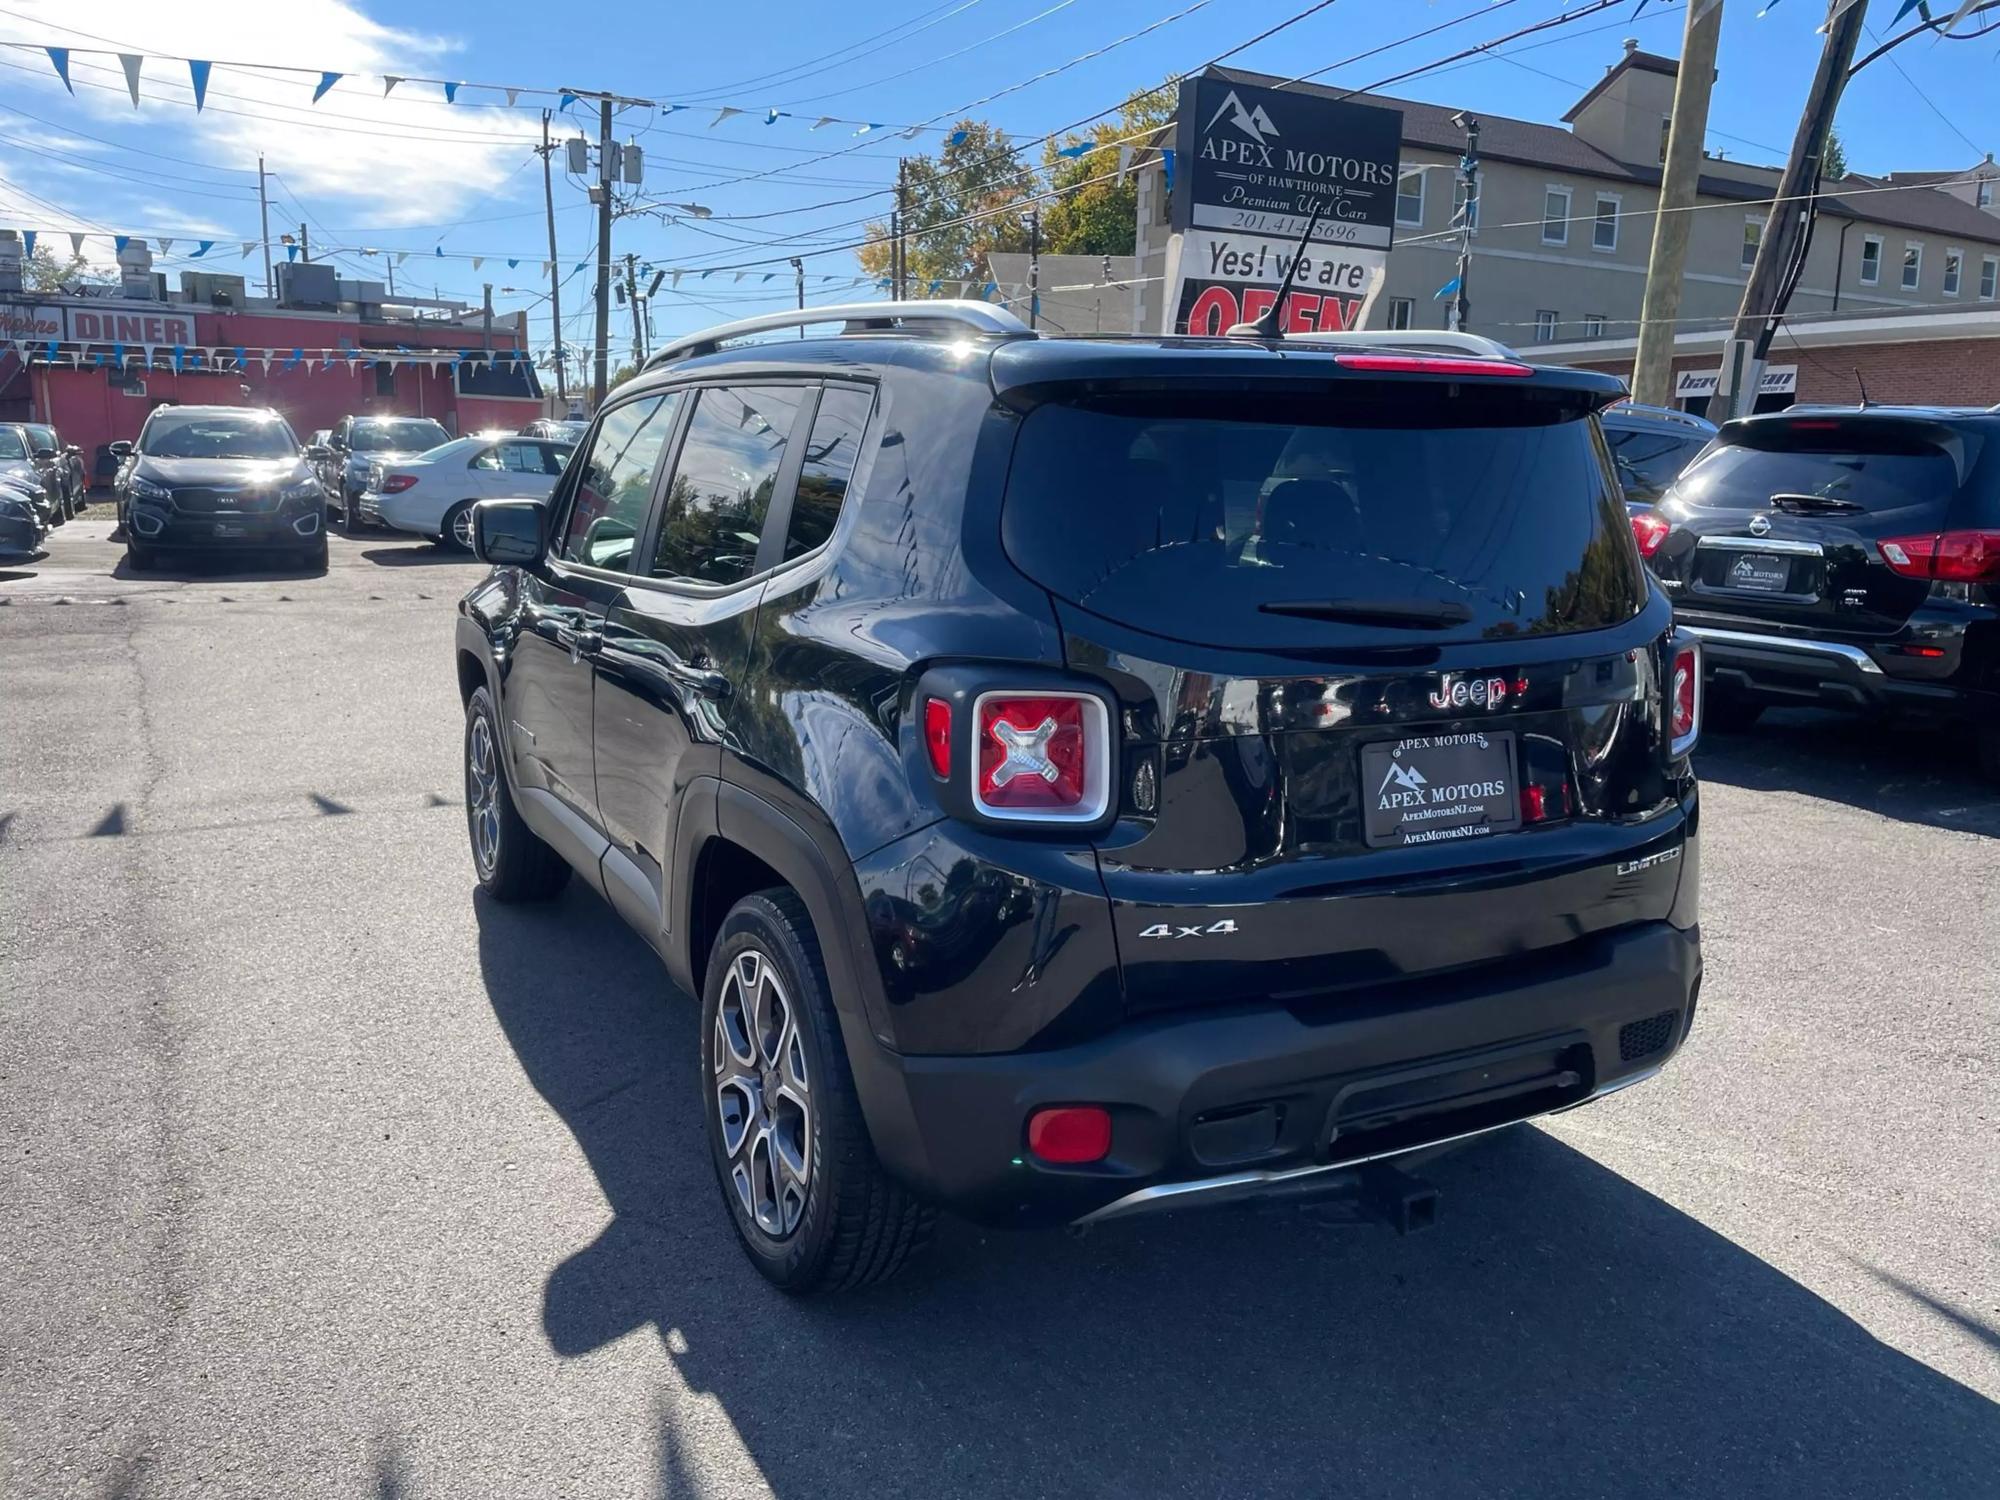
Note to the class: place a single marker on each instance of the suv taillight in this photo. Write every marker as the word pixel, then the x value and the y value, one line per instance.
pixel 1041 755
pixel 1684 696
pixel 1949 556
pixel 1649 529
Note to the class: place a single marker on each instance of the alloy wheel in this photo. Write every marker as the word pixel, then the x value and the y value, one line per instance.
pixel 763 1095
pixel 461 527
pixel 483 790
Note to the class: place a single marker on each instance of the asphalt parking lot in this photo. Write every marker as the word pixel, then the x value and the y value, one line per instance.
pixel 321 1177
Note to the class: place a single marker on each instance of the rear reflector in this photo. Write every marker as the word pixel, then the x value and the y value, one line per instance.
pixel 1071 1134
pixel 1928 653
pixel 1423 364
pixel 1041 756
pixel 937 735
pixel 1684 699
pixel 1950 556
pixel 1649 529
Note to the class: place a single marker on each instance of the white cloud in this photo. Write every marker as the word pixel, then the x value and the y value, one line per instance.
pixel 354 159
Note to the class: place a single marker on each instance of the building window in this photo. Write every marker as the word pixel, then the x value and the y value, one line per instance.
pixel 1459 210
pixel 1954 269
pixel 1983 194
pixel 1402 312
pixel 1604 227
pixel 1410 196
pixel 1545 326
pixel 1989 278
pixel 1555 216
pixel 1871 260
pixel 1913 265
pixel 1666 133
pixel 1753 236
pixel 1593 325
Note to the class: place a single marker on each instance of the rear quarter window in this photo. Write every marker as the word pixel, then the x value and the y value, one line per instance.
pixel 1190 518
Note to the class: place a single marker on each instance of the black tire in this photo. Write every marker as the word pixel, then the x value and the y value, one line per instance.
pixel 1726 713
pixel 138 557
pixel 852 1224
pixel 520 866
pixel 1986 745
pixel 456 520
pixel 313 558
pixel 350 513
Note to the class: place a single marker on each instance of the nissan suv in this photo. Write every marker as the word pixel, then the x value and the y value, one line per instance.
pixel 1845 558
pixel 1083 776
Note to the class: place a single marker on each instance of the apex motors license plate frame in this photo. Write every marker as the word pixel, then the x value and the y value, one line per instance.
pixel 1439 788
pixel 1758 573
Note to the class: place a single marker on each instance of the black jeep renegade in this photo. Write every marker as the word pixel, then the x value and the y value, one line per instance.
pixel 1088 775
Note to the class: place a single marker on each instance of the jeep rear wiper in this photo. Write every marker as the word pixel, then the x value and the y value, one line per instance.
pixel 1397 614
pixel 1814 504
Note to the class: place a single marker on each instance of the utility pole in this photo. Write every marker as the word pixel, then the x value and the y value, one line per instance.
pixel 305 244
pixel 1468 168
pixel 605 251
pixel 799 274
pixel 1034 268
pixel 899 219
pixel 632 297
pixel 1788 228
pixel 486 327
pixel 1653 367
pixel 264 220
pixel 555 271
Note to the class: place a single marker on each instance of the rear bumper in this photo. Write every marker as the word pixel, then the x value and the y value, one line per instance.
pixel 1821 673
pixel 1245 1101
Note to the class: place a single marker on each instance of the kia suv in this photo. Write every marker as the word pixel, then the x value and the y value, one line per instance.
pixel 1085 776
pixel 218 479
pixel 1845 558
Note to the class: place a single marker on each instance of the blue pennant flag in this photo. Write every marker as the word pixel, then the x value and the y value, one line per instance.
pixel 242 358
pixel 60 57
pixel 578 267
pixel 451 92
pixel 960 137
pixel 291 252
pixel 1074 152
pixel 986 292
pixel 180 353
pixel 440 252
pixel 28 240
pixel 566 101
pixel 198 72
pixel 1167 164
pixel 1449 289
pixel 936 286
pixel 512 263
pixel 883 282
pixel 119 242
pixel 298 354
pixel 326 81
pixel 201 248
pixel 118 353
pixel 49 350
pixel 771 116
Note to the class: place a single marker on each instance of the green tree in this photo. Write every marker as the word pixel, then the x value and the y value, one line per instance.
pixel 1100 217
pixel 43 272
pixel 959 206
pixel 1833 164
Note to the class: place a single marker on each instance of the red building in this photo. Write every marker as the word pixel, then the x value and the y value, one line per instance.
pixel 93 367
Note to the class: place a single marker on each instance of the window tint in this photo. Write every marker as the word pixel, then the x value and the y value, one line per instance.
pixel 616 485
pixel 42 439
pixel 831 452
pixel 1852 469
pixel 1650 461
pixel 174 434
pixel 11 445
pixel 722 485
pixel 1227 519
pixel 521 458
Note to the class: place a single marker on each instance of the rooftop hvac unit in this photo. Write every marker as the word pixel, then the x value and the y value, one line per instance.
pixel 214 289
pixel 308 284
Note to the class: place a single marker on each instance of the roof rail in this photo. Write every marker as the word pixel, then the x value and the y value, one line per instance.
pixel 859 317
pixel 1476 345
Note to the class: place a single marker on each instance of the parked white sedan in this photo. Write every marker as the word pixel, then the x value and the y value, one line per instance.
pixel 433 494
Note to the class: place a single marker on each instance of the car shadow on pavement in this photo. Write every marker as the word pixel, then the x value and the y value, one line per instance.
pixel 417 553
pixel 1915 774
pixel 201 567
pixel 1562 1332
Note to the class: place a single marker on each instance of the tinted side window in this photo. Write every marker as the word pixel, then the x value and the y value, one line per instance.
pixel 830 455
pixel 616 485
pixel 722 485
pixel 1650 461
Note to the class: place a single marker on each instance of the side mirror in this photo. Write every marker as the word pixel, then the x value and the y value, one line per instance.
pixel 507 533
pixel 121 449
pixel 318 452
pixel 72 450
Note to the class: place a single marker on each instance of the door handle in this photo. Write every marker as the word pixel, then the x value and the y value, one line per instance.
pixel 579 641
pixel 710 684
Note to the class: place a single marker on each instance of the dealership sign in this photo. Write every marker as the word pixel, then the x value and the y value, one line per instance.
pixel 1777 380
pixel 1252 165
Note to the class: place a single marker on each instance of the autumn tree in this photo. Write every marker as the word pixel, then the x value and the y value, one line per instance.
pixel 43 271
pixel 960 205
pixel 1093 212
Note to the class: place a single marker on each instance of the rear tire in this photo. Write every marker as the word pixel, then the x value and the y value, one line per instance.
pixel 137 557
pixel 313 558
pixel 350 514
pixel 455 534
pixel 1727 714
pixel 812 1206
pixel 512 863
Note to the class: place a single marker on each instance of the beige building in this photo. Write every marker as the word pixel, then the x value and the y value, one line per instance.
pixel 1566 223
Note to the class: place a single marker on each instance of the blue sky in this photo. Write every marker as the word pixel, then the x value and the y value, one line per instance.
pixel 411 173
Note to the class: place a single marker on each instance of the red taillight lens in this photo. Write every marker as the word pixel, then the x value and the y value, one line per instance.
pixel 1071 1134
pixel 1951 556
pixel 1684 699
pixel 1040 755
pixel 1649 529
pixel 937 735
pixel 395 484
pixel 1423 364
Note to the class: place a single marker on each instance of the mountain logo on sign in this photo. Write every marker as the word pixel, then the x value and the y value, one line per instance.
pixel 1407 777
pixel 1252 122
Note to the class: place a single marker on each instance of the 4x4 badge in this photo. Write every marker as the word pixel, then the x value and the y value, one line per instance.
pixel 1224 928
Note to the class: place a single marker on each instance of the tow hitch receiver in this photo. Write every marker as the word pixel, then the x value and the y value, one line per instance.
pixel 1402 1200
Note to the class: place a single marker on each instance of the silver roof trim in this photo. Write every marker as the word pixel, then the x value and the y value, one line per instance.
pixel 1434 339
pixel 858 317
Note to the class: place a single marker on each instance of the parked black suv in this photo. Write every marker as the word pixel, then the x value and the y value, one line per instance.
pixel 218 479
pixel 1845 557
pixel 1082 776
